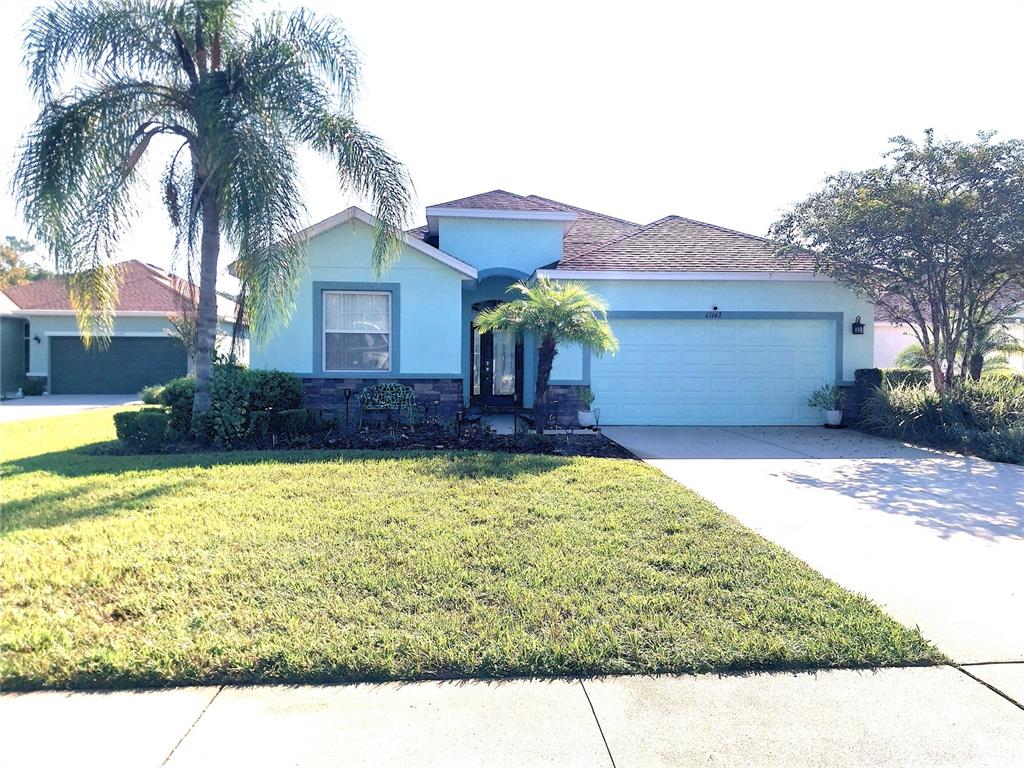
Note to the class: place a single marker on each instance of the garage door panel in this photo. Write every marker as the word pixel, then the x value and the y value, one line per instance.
pixel 714 371
pixel 124 366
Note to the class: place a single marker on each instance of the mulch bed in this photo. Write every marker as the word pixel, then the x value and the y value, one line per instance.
pixel 424 437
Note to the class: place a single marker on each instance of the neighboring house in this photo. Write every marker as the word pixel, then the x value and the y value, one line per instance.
pixel 712 328
pixel 1015 326
pixel 40 337
pixel 892 338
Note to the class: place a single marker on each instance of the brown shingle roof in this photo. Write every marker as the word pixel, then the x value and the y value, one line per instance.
pixel 500 200
pixel 676 244
pixel 144 288
pixel 596 241
pixel 590 229
pixel 423 234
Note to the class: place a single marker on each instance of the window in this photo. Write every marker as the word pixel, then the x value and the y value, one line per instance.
pixel 357 331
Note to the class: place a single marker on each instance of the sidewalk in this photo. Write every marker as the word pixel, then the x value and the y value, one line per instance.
pixel 937 716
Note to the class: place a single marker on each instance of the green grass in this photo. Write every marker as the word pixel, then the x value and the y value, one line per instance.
pixel 318 566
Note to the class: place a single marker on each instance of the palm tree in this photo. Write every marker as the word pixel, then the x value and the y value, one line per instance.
pixel 235 96
pixel 555 312
pixel 992 344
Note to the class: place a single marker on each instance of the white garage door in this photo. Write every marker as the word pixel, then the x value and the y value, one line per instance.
pixel 707 372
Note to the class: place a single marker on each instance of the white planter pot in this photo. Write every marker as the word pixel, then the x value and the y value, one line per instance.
pixel 585 418
pixel 833 418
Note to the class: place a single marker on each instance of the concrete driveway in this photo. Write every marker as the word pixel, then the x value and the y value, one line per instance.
pixel 57 405
pixel 936 539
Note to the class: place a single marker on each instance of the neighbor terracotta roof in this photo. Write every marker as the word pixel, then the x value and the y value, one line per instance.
pixel 500 200
pixel 677 244
pixel 144 288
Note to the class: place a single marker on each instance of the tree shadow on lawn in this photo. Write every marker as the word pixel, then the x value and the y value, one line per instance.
pixel 38 511
pixel 87 460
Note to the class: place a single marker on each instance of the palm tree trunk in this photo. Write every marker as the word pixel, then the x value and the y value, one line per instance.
pixel 546 352
pixel 206 322
pixel 977 364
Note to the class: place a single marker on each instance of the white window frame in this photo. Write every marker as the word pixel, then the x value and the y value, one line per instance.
pixel 324 331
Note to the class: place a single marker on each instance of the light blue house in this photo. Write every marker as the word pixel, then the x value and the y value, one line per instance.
pixel 712 327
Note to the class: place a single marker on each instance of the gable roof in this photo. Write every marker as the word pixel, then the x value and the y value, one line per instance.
pixel 598 242
pixel 412 238
pixel 678 244
pixel 144 288
pixel 500 200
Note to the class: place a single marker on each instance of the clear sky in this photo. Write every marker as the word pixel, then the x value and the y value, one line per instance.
pixel 727 112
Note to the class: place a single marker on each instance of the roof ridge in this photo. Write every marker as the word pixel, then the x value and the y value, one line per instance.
pixel 676 216
pixel 720 228
pixel 642 228
pixel 477 194
pixel 583 210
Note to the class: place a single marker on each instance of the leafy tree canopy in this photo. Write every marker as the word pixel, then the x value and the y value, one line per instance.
pixel 15 268
pixel 934 238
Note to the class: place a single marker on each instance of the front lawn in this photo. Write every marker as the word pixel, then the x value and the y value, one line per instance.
pixel 321 566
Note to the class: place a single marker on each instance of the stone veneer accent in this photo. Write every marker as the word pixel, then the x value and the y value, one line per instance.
pixel 565 401
pixel 329 394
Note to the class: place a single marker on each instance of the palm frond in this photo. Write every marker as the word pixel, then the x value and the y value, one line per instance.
pixel 241 93
pixel 118 39
pixel 367 168
pixel 263 212
pixel 565 312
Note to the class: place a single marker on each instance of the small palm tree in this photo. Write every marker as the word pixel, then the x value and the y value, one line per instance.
pixel 229 98
pixel 992 344
pixel 554 312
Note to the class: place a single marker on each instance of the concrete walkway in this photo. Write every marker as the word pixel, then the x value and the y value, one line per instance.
pixel 935 716
pixel 936 539
pixel 58 405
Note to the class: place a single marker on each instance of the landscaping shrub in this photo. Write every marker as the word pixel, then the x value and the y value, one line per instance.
pixel 891 377
pixel 236 395
pixel 985 418
pixel 295 422
pixel 143 431
pixel 227 421
pixel 33 387
pixel 895 376
pixel 260 424
pixel 178 395
pixel 151 395
pixel 274 390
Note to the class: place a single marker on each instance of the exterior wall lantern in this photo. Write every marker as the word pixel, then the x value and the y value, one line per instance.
pixel 857 327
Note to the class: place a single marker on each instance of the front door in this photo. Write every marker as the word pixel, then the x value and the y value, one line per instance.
pixel 496 362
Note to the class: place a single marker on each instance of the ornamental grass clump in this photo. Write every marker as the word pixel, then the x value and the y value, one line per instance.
pixel 985 418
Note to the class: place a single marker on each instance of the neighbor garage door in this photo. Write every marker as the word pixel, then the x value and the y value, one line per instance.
pixel 126 365
pixel 724 372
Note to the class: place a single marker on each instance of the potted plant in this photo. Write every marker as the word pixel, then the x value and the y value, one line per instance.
pixel 585 418
pixel 831 400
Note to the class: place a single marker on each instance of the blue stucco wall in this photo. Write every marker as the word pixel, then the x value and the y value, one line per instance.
pixel 748 296
pixel 515 245
pixel 429 313
pixel 568 367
